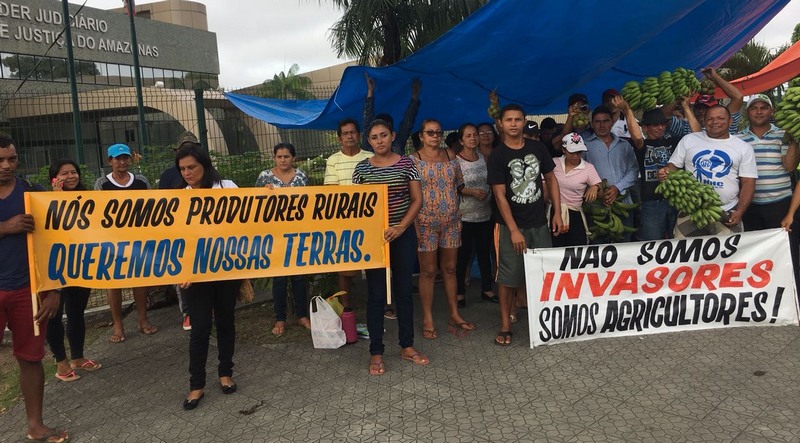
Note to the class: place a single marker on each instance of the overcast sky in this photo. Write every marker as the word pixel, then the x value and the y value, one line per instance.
pixel 259 38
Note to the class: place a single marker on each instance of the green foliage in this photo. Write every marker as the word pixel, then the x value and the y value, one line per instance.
pixel 750 59
pixel 42 177
pixel 323 285
pixel 242 169
pixel 287 86
pixel 383 32
pixel 796 34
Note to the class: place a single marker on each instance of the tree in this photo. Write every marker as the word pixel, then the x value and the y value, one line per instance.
pixel 287 86
pixel 796 34
pixel 383 32
pixel 750 59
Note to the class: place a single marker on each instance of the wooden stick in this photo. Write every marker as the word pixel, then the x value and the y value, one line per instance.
pixel 388 285
pixel 32 270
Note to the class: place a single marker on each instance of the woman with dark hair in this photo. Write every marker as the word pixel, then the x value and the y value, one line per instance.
pixel 405 199
pixel 285 175
pixel 215 299
pixel 65 175
pixel 487 139
pixel 476 215
pixel 438 226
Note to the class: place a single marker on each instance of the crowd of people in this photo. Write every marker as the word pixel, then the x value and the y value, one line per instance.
pixel 497 189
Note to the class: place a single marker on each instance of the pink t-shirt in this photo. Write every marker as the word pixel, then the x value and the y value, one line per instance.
pixel 573 184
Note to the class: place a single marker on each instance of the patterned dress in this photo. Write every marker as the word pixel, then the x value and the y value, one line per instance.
pixel 267 177
pixel 440 183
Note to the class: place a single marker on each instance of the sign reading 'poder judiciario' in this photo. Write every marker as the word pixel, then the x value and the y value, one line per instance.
pixel 103 239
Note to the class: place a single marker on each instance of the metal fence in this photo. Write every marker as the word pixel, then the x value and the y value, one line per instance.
pixel 41 124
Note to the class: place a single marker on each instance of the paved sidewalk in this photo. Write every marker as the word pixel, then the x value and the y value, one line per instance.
pixel 738 385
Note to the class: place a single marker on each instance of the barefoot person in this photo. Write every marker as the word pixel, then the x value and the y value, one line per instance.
pixel 65 175
pixel 119 157
pixel 405 199
pixel 438 226
pixel 515 173
pixel 215 299
pixel 15 294
pixel 285 175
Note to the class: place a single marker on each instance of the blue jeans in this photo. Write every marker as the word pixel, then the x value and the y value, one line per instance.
pixel 658 220
pixel 280 295
pixel 402 252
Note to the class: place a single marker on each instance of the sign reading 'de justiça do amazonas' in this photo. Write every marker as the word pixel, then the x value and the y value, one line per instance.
pixel 108 239
pixel 582 293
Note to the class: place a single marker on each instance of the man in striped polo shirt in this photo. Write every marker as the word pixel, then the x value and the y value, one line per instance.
pixel 776 159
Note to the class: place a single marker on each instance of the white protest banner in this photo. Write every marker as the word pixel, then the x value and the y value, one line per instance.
pixel 587 292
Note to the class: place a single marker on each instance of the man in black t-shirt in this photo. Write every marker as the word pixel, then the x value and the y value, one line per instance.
pixel 515 171
pixel 652 153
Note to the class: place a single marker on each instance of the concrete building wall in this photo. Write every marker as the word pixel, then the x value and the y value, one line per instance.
pixel 176 12
pixel 30 27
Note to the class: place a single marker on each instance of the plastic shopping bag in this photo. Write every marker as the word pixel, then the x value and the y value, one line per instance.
pixel 326 326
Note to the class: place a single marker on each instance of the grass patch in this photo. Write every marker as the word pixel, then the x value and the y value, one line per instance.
pixel 10 393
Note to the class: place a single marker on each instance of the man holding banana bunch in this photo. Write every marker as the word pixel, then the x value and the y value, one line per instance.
pixel 725 162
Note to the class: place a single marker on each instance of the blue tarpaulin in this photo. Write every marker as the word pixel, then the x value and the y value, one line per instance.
pixel 535 53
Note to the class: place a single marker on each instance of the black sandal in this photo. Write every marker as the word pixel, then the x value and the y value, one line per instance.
pixel 491 298
pixel 506 336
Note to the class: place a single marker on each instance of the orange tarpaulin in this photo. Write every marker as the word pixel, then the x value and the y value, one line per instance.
pixel 785 67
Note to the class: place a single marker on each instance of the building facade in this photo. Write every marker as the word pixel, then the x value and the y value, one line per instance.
pixel 176 52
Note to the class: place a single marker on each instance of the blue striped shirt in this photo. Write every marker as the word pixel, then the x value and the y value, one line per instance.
pixel 773 183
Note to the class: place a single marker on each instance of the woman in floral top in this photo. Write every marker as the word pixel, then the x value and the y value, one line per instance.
pixel 285 175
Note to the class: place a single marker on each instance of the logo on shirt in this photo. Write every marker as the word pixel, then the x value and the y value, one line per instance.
pixel 655 158
pixel 525 179
pixel 711 165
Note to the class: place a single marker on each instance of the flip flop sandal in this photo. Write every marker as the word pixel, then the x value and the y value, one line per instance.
pixel 148 330
pixel 116 338
pixel 68 377
pixel 89 366
pixel 429 334
pixel 506 336
pixel 460 330
pixel 55 437
pixel 417 358
pixel 376 368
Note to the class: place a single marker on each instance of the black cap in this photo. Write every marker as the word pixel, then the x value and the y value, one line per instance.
pixel 653 117
pixel 531 128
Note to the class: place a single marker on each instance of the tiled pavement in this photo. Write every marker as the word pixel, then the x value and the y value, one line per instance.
pixel 739 385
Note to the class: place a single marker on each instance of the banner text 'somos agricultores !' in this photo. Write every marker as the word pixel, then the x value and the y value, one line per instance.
pixel 587 292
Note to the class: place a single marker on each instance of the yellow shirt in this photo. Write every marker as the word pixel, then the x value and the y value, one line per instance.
pixel 339 167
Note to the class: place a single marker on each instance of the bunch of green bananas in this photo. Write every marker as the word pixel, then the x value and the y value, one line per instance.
pixel 707 87
pixel 494 106
pixel 581 120
pixel 689 196
pixel 661 90
pixel 787 113
pixel 607 220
